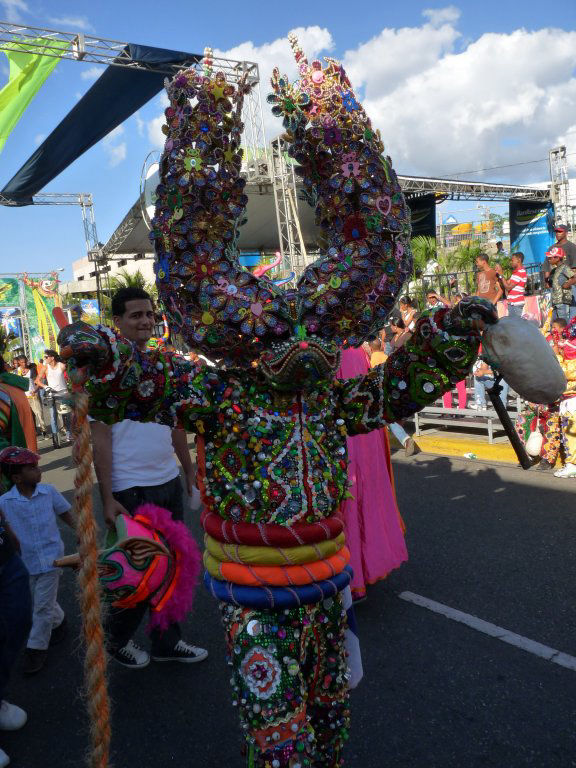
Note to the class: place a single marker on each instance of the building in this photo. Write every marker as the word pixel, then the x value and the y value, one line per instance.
pixel 84 272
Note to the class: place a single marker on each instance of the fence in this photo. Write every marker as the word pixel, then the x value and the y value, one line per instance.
pixel 448 284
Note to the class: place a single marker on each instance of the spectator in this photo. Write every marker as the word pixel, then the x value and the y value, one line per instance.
pixel 460 385
pixel 488 285
pixel 401 335
pixel 435 301
pixel 561 280
pixel 408 313
pixel 483 381
pixel 31 509
pixel 15 623
pixel 377 354
pixel 135 464
pixel 560 428
pixel 500 252
pixel 516 285
pixel 568 247
pixel 16 420
pixel 56 380
pixel 30 372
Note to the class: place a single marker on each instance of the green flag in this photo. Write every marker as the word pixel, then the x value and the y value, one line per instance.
pixel 28 71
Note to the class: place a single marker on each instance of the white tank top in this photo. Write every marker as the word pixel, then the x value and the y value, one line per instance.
pixel 55 379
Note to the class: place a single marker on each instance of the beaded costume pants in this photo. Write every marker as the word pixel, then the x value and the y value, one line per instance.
pixel 561 431
pixel 290 683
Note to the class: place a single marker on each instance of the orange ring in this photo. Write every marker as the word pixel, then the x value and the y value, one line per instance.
pixel 277 575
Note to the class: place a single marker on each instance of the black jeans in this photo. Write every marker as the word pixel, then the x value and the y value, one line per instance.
pixel 121 624
pixel 15 615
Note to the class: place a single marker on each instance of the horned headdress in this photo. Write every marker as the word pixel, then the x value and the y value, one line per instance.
pixel 220 307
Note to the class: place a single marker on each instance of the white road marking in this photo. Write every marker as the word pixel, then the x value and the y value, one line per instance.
pixel 499 633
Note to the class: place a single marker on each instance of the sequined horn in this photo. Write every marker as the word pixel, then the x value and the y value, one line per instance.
pixel 363 217
pixel 218 306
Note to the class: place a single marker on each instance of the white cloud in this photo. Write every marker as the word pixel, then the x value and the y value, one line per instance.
pixel 313 40
pixel 116 153
pixel 140 124
pixel 39 138
pixel 505 98
pixel 14 9
pixel 92 73
pixel 438 16
pixel 380 65
pixel 74 22
pixel 154 130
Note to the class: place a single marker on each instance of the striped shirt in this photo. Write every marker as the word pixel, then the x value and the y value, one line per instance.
pixel 516 293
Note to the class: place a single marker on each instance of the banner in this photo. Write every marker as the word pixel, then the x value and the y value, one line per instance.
pixel 9 292
pixel 40 298
pixel 531 229
pixel 423 214
pixel 28 72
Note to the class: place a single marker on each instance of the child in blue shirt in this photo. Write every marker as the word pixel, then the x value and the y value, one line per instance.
pixel 31 509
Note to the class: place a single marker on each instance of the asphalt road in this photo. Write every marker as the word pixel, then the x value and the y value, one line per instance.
pixel 490 540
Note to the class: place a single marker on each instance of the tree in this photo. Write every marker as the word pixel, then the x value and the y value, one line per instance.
pixel 424 251
pixel 125 279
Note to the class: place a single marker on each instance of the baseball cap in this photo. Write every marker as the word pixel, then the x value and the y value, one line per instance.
pixel 561 228
pixel 556 251
pixel 15 455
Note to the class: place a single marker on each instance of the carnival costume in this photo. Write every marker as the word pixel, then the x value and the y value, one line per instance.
pixel 272 436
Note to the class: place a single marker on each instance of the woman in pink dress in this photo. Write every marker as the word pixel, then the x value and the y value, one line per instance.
pixel 374 528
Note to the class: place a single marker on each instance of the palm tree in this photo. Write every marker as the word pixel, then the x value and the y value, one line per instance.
pixel 424 250
pixel 125 279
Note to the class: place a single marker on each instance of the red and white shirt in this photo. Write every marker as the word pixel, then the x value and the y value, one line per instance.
pixel 516 293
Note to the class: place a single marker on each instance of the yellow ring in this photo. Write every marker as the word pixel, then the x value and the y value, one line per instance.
pixel 278 575
pixel 243 553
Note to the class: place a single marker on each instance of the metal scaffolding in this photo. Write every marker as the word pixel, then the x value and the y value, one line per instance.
pixel 292 247
pixel 454 189
pixel 560 185
pixel 99 50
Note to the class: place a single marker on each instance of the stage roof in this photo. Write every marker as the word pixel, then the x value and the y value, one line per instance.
pixel 260 233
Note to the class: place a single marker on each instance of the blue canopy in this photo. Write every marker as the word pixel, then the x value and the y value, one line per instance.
pixel 118 93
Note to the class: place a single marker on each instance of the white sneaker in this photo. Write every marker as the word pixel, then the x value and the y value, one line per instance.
pixel 12 718
pixel 4 759
pixel 132 656
pixel 568 471
pixel 477 407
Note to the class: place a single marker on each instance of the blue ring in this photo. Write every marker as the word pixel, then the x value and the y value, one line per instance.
pixel 277 597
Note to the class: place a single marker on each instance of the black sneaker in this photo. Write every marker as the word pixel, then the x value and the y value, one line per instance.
pixel 183 652
pixel 59 632
pixel 132 656
pixel 34 660
pixel 545 466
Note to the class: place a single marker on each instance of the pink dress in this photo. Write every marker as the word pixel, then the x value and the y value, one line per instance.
pixel 374 528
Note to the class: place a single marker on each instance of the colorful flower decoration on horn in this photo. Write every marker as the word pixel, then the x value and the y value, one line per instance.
pixel 346 295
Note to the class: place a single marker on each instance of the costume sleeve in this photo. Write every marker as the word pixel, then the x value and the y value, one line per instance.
pixel 414 376
pixel 126 383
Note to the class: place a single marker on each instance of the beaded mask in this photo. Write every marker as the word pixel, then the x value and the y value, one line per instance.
pixel 221 308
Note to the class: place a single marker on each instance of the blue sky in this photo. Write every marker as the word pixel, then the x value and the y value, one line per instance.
pixel 453 87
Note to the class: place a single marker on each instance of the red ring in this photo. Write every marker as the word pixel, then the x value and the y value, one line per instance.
pixel 270 534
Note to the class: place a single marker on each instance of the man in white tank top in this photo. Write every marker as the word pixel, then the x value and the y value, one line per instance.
pixel 56 380
pixel 135 464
